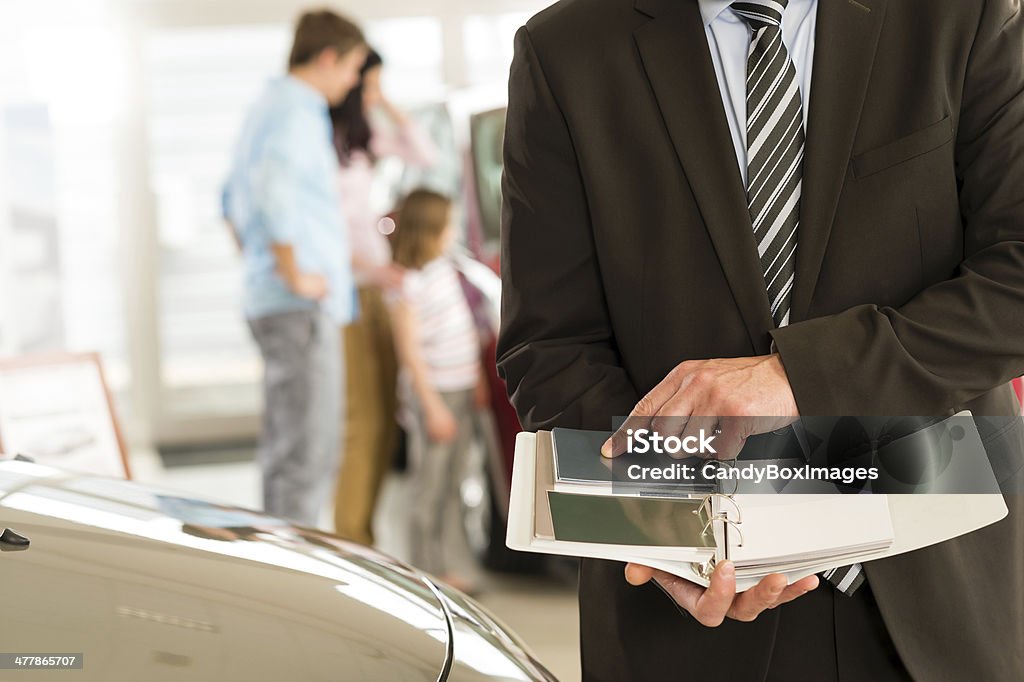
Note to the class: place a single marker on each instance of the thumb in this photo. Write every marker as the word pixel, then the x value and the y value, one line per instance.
pixel 638 575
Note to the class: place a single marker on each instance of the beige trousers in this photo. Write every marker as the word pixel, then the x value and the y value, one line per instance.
pixel 370 426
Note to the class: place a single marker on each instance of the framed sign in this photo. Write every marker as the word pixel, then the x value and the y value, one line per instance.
pixel 57 410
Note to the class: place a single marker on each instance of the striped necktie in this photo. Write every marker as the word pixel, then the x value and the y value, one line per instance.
pixel 775 152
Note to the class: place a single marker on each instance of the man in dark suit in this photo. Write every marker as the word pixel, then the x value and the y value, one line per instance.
pixel 836 230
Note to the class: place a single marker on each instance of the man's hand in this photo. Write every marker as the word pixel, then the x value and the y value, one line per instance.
pixel 303 284
pixel 734 397
pixel 711 606
pixel 311 286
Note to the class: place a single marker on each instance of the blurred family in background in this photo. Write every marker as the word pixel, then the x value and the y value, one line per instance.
pixel 355 326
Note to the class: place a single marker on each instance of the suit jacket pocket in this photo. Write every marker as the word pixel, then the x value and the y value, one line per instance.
pixel 903 149
pixel 1003 440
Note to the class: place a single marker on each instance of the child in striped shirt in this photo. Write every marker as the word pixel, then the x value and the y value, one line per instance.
pixel 439 351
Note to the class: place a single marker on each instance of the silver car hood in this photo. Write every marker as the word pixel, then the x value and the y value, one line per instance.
pixel 152 585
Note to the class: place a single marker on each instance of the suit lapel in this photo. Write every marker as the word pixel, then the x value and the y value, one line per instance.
pixel 845 41
pixel 674 51
pixel 675 56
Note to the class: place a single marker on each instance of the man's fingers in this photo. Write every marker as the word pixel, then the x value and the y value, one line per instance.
pixel 732 438
pixel 617 443
pixel 700 429
pixel 673 417
pixel 683 592
pixel 797 589
pixel 645 410
pixel 637 574
pixel 764 595
pixel 713 605
pixel 640 418
pixel 662 393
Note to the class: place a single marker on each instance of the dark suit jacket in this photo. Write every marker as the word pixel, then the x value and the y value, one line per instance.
pixel 627 248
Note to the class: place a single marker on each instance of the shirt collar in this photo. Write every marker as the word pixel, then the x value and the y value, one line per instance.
pixel 303 92
pixel 710 9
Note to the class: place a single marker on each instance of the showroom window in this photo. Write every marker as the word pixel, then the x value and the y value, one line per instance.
pixel 413 52
pixel 111 164
pixel 60 242
pixel 200 82
pixel 488 41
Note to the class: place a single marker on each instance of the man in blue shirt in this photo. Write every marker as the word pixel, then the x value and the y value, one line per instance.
pixel 281 199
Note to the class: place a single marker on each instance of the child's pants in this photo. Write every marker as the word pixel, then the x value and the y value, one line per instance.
pixel 437 475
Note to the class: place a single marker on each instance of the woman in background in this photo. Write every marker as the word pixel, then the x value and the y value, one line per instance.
pixel 368 127
pixel 442 380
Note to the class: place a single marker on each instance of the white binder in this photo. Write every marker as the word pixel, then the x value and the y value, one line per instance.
pixel 746 528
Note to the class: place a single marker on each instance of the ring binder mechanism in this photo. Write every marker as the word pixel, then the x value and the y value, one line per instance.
pixel 689 535
pixel 719 523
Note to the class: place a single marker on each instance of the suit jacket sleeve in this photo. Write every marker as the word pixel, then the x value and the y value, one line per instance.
pixel 556 349
pixel 962 337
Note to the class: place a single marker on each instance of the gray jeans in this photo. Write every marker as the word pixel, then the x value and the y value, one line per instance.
pixel 437 474
pixel 298 450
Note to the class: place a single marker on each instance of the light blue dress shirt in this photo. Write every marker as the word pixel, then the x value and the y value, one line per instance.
pixel 282 189
pixel 729 41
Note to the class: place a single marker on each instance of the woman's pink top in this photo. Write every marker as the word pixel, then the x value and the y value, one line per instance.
pixel 355 185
